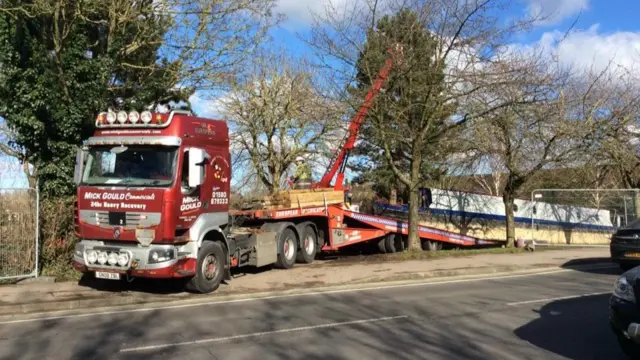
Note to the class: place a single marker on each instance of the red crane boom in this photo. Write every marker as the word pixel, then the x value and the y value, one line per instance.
pixel 339 161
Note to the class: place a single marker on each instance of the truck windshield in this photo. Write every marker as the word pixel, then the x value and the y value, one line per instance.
pixel 130 166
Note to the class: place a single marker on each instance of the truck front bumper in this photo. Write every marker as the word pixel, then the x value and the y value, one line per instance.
pixel 154 261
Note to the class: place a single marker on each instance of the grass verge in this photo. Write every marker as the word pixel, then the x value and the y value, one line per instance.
pixel 424 255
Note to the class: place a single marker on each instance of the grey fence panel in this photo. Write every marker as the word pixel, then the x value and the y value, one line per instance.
pixel 19 232
pixel 580 216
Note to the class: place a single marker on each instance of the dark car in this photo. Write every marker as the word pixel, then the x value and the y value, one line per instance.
pixel 625 246
pixel 624 312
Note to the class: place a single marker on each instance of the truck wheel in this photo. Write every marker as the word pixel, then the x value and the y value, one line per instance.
pixel 321 240
pixel 287 249
pixel 381 245
pixel 308 246
pixel 209 268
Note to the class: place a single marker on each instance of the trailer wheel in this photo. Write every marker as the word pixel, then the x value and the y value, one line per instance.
pixel 308 246
pixel 389 243
pixel 431 245
pixel 209 268
pixel 399 243
pixel 381 245
pixel 287 249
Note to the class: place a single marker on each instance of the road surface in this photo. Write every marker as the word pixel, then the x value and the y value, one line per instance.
pixel 560 315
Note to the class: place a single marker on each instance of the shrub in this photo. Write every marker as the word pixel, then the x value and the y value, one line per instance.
pixel 57 238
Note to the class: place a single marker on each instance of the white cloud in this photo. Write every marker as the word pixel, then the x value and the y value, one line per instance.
pixel 590 50
pixel 300 12
pixel 555 11
pixel 207 105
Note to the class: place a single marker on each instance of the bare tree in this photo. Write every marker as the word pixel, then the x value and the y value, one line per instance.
pixel 278 114
pixel 447 50
pixel 214 39
pixel 536 130
pixel 612 101
pixel 489 175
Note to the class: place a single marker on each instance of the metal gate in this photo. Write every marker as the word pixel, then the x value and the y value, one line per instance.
pixel 19 232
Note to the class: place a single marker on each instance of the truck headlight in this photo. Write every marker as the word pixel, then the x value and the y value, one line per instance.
pixel 623 290
pixel 79 250
pixel 102 257
pixel 112 258
pixel 160 255
pixel 123 259
pixel 92 257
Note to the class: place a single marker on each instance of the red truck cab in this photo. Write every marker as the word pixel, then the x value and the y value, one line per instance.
pixel 151 188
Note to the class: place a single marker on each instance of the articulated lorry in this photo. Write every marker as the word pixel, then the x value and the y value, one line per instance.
pixel 153 202
pixel 153 193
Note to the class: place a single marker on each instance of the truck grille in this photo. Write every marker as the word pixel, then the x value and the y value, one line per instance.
pixel 133 219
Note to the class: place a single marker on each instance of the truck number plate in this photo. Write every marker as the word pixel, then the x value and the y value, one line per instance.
pixel 107 275
pixel 117 218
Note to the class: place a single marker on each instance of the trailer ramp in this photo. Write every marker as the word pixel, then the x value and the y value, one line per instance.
pixel 425 232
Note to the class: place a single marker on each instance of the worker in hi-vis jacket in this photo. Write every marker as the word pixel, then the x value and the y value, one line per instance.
pixel 302 176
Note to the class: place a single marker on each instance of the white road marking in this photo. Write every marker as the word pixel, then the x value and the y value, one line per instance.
pixel 557 298
pixel 258 334
pixel 314 293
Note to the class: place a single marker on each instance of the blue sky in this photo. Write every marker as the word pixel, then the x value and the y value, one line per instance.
pixel 11 174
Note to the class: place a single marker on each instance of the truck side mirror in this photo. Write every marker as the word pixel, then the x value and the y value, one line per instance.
pixel 81 156
pixel 196 168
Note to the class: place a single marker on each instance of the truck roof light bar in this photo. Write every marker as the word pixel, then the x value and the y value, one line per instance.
pixel 133 119
pixel 133 140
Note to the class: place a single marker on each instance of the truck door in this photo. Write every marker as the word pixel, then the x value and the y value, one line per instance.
pixel 191 203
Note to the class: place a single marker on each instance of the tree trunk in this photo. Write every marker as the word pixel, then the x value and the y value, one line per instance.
pixel 276 178
pixel 271 189
pixel 414 218
pixel 31 177
pixel 507 198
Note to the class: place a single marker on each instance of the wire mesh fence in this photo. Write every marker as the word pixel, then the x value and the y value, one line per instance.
pixel 18 233
pixel 581 216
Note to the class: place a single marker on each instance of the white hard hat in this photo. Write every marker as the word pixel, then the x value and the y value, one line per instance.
pixel 299 158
